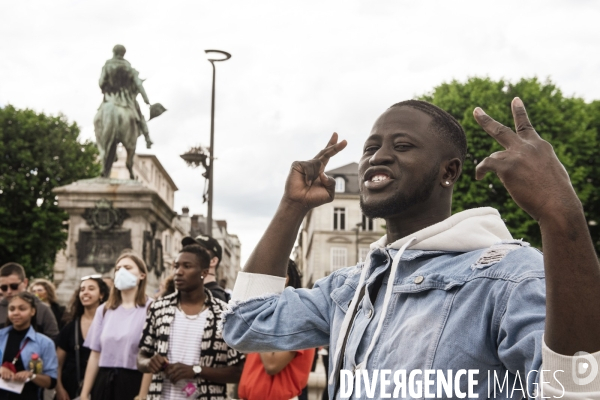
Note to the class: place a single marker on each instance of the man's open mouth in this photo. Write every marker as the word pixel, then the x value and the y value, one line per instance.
pixel 379 178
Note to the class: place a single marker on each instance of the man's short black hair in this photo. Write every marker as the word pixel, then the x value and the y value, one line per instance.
pixel 11 268
pixel 200 252
pixel 209 243
pixel 443 124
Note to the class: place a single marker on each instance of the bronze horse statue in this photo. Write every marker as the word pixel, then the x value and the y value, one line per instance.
pixel 119 118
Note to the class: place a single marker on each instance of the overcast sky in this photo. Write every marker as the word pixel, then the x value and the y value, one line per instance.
pixel 299 71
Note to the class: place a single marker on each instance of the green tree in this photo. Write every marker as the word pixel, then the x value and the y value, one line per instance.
pixel 592 205
pixel 568 123
pixel 37 153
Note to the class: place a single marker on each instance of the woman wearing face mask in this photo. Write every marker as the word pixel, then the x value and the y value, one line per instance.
pixel 114 336
pixel 19 344
pixel 72 356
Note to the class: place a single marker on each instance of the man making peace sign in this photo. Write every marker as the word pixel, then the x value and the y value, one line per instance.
pixel 444 305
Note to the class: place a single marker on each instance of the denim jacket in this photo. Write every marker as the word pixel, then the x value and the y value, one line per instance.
pixel 482 309
pixel 39 344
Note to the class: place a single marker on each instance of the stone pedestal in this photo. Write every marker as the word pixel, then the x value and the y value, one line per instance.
pixel 107 216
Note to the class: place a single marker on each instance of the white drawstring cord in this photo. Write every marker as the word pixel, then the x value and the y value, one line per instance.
pixel 386 302
pixel 347 318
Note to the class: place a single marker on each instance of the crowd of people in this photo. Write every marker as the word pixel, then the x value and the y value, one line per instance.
pixel 115 342
pixel 439 293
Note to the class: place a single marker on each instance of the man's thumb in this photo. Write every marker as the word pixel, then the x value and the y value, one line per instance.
pixel 327 181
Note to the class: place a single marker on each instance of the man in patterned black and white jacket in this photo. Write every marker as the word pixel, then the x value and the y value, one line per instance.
pixel 180 344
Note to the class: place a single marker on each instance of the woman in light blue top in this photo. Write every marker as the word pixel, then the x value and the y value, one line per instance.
pixel 20 344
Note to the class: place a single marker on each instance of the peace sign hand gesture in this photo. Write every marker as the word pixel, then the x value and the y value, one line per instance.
pixel 529 167
pixel 307 185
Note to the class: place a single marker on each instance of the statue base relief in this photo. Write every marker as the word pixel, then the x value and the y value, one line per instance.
pixel 107 216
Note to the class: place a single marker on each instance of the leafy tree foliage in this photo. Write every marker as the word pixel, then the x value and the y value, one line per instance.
pixel 37 153
pixel 569 123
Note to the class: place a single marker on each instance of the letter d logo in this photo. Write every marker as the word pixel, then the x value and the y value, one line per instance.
pixel 584 368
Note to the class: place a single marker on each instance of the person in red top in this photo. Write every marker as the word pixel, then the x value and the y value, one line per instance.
pixel 277 375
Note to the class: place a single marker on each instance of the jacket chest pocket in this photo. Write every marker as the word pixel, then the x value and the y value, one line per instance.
pixel 419 310
pixel 424 298
pixel 342 296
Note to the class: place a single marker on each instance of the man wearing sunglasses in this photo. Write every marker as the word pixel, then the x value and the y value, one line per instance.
pixel 13 282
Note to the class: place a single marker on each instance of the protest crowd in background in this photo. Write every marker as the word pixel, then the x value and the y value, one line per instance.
pixel 113 342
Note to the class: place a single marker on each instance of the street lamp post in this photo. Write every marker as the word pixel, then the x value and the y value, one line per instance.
pixel 212 138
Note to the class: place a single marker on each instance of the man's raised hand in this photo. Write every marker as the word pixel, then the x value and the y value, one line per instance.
pixel 529 167
pixel 307 185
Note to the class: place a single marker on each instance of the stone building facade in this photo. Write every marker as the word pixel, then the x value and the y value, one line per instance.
pixel 150 172
pixel 107 215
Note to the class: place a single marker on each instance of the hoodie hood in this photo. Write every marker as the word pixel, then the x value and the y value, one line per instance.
pixel 465 231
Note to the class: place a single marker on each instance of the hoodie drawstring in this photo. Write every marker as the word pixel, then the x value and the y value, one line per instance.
pixel 346 323
pixel 347 318
pixel 386 302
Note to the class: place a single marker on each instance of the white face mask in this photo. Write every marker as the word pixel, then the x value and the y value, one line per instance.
pixel 125 280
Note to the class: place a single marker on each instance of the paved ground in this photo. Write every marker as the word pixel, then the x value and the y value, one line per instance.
pixel 316 381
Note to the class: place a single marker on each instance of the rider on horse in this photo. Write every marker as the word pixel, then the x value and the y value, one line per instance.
pixel 121 84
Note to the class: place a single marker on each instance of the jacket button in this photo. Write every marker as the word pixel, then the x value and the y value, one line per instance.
pixel 419 279
pixel 370 313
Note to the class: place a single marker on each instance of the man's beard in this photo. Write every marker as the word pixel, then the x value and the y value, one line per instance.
pixel 401 201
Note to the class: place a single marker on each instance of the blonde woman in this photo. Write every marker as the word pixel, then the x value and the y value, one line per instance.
pixel 44 290
pixel 114 336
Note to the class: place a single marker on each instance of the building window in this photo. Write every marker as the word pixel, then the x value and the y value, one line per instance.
pixel 338 258
pixel 168 244
pixel 339 219
pixel 362 253
pixel 367 223
pixel 340 185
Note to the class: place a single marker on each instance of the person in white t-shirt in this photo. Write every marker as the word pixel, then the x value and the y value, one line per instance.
pixel 181 345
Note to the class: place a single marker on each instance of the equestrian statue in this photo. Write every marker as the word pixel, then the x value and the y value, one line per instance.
pixel 119 118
